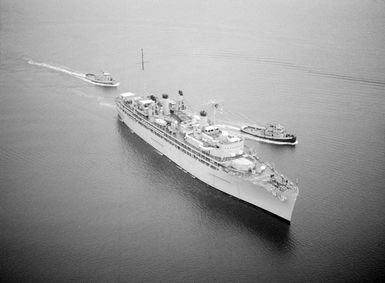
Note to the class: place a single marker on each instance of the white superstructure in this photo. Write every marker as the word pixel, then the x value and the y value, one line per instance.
pixel 212 155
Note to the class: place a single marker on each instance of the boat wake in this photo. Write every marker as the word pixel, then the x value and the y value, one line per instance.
pixel 104 103
pixel 67 71
pixel 224 55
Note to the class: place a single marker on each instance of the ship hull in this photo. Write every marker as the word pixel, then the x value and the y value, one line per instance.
pixel 290 140
pixel 255 194
pixel 91 79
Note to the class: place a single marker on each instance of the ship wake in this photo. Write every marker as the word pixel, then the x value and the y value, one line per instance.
pixel 61 69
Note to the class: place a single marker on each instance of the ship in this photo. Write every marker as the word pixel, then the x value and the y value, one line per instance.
pixel 103 79
pixel 275 133
pixel 200 147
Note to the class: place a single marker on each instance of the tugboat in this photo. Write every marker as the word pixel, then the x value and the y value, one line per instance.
pixel 271 132
pixel 103 79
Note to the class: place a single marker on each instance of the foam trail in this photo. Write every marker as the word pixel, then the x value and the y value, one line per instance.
pixel 102 102
pixel 106 104
pixel 59 69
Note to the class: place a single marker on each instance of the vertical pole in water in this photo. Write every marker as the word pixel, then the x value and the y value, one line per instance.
pixel 143 78
pixel 142 60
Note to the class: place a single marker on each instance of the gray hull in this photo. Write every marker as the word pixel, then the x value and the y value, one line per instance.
pixel 255 194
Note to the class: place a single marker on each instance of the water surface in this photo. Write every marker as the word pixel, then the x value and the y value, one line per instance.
pixel 83 198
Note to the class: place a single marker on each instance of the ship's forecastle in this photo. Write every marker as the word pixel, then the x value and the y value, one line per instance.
pixel 212 155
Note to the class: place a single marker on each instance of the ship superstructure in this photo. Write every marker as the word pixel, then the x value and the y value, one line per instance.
pixel 210 154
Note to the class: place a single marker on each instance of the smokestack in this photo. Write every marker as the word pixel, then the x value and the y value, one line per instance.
pixel 180 105
pixel 203 116
pixel 165 104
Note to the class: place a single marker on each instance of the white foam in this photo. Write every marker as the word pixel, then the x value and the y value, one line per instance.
pixel 106 104
pixel 57 68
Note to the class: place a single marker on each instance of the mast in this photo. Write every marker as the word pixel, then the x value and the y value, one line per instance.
pixel 142 59
pixel 143 74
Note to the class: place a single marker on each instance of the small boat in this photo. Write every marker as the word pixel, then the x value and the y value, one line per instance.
pixel 271 132
pixel 103 79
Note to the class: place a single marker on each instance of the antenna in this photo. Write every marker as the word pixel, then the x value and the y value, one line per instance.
pixel 142 62
pixel 142 59
pixel 143 78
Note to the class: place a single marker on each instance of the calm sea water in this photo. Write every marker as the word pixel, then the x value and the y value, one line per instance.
pixel 82 198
